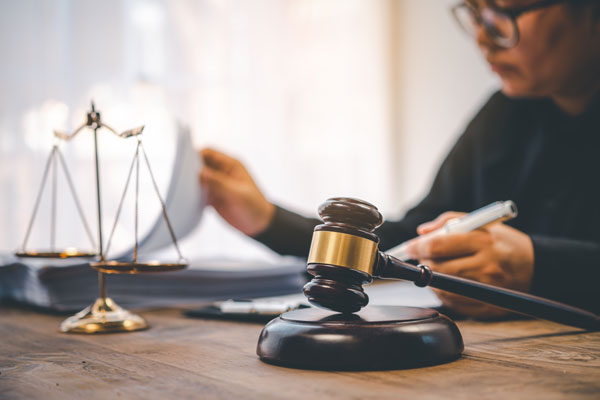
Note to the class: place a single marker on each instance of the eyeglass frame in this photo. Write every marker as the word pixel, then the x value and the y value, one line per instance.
pixel 512 13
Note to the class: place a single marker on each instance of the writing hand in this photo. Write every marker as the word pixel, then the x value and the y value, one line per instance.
pixel 496 254
pixel 233 193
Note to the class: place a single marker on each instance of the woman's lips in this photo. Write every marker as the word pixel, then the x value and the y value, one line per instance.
pixel 502 68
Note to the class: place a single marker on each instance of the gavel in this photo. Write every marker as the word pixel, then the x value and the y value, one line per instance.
pixel 344 255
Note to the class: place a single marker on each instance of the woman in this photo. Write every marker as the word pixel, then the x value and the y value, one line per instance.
pixel 535 142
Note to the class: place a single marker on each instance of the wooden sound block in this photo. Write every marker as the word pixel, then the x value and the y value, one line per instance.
pixel 376 338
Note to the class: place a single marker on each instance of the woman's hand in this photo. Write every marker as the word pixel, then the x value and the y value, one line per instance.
pixel 496 254
pixel 233 193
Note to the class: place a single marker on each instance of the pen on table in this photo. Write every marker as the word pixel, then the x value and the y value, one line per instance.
pixel 494 212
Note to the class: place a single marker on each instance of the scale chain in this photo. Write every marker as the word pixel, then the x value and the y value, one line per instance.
pixel 137 195
pixel 53 203
pixel 162 203
pixel 133 162
pixel 39 197
pixel 76 198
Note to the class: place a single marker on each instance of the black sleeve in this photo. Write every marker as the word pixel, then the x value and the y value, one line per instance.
pixel 567 270
pixel 288 233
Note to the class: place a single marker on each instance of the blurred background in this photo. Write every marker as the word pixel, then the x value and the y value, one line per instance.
pixel 318 98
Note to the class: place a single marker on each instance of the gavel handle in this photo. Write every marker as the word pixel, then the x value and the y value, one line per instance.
pixel 519 302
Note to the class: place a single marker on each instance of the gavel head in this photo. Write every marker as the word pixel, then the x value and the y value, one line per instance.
pixel 343 253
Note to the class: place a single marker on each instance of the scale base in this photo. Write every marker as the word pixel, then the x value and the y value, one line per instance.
pixel 104 316
pixel 376 338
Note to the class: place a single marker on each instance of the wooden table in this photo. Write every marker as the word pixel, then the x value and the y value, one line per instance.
pixel 181 357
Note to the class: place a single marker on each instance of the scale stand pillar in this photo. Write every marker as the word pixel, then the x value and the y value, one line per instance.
pixel 104 316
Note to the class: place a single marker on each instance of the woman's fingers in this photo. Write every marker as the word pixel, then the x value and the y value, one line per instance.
pixel 447 246
pixel 217 160
pixel 233 193
pixel 214 179
pixel 438 222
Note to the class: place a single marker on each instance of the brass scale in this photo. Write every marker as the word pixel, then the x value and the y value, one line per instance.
pixel 104 315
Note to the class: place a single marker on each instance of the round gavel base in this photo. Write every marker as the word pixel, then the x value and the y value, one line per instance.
pixel 376 338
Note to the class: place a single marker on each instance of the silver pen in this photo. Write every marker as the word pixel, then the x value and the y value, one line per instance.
pixel 495 212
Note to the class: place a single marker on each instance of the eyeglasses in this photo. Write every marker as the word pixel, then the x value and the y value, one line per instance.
pixel 499 23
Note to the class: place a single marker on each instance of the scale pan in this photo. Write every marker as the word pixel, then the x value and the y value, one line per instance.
pixel 67 253
pixel 135 267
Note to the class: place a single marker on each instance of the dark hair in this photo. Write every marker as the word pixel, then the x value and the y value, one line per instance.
pixel 591 5
pixel 577 5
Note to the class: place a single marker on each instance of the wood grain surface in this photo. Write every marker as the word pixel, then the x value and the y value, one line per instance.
pixel 181 357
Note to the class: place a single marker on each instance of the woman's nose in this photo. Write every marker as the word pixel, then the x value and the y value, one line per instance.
pixel 483 39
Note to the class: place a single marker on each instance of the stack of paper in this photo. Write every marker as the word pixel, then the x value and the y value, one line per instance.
pixel 70 285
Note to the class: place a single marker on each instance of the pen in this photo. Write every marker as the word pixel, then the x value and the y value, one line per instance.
pixel 494 212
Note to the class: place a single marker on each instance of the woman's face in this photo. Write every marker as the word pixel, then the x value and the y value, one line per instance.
pixel 558 53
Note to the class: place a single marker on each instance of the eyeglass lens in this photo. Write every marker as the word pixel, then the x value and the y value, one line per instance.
pixel 499 26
